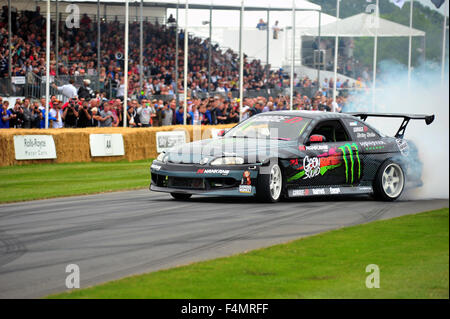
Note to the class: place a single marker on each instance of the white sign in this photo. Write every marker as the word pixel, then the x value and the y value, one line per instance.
pixel 29 147
pixel 106 145
pixel 167 140
pixel 18 79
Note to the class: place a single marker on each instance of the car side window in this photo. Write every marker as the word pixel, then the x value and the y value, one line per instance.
pixel 333 131
pixel 361 131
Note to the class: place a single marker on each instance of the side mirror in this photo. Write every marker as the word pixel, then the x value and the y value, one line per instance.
pixel 316 138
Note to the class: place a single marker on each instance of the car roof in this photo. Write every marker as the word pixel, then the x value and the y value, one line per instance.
pixel 311 114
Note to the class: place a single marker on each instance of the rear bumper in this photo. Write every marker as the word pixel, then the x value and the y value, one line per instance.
pixel 204 179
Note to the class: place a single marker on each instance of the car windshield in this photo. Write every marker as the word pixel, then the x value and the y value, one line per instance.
pixel 283 127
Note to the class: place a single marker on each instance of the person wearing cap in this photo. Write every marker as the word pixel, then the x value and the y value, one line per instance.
pixel 85 92
pixel 56 113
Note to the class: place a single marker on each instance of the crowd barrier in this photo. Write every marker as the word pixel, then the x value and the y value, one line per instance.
pixel 73 145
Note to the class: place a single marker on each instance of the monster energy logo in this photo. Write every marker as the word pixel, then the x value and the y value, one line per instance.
pixel 351 148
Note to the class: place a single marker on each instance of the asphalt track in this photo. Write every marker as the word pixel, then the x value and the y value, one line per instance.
pixel 113 235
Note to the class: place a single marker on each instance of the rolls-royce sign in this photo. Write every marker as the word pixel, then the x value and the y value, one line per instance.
pixel 28 147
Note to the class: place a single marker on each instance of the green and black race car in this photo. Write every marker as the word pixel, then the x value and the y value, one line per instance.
pixel 294 154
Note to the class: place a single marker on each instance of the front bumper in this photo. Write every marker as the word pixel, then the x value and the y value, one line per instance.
pixel 204 179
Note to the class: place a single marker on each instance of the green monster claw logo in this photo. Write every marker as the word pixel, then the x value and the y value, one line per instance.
pixel 351 148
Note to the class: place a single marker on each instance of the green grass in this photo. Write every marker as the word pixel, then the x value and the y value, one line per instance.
pixel 412 253
pixel 28 182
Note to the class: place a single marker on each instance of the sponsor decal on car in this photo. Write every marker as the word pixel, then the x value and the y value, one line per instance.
pixel 350 169
pixel 335 190
pixel 372 143
pixel 247 189
pixel 318 191
pixel 403 146
pixel 317 148
pixel 354 123
pixel 300 192
pixel 156 167
pixel 311 166
pixel 223 172
pixel 246 180
pixel 358 129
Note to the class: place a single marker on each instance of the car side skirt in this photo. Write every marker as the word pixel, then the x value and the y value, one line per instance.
pixel 295 192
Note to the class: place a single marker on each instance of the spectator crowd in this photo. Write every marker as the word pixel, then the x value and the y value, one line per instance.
pixel 153 103
pixel 85 111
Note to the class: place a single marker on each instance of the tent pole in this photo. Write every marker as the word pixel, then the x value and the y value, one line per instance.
pixel 411 7
pixel 267 45
pixel 176 58
pixel 98 41
pixel 291 100
pixel 57 38
pixel 47 69
pixel 9 41
pixel 210 48
pixel 125 93
pixel 375 51
pixel 336 51
pixel 241 63
pixel 141 48
pixel 318 65
pixel 444 31
pixel 186 36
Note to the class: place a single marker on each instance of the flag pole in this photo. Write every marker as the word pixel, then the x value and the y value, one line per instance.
pixel 375 51
pixel 241 63
pixel 47 71
pixel 444 32
pixel 186 36
pixel 410 42
pixel 336 51
pixel 125 93
pixel 291 100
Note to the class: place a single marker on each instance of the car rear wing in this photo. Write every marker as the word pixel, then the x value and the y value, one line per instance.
pixel 406 118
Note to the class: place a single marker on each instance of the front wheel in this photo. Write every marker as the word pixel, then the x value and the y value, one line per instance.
pixel 389 182
pixel 269 186
pixel 179 196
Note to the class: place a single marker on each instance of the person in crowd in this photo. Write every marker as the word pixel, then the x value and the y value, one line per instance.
pixel 57 113
pixel 85 92
pixel 167 115
pixel 70 114
pixel 106 117
pixel 6 115
pixel 69 91
pixel 84 115
pixel 144 114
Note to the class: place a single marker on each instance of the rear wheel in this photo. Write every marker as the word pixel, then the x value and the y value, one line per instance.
pixel 389 182
pixel 270 185
pixel 179 196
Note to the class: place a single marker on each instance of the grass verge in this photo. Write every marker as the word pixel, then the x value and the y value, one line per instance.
pixel 19 183
pixel 412 253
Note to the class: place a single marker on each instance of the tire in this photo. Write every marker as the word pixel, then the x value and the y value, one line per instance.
pixel 389 182
pixel 179 196
pixel 270 186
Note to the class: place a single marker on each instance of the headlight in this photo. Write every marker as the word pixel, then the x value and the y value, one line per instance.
pixel 161 157
pixel 228 161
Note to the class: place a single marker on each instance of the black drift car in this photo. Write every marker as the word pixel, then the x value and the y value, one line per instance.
pixel 294 154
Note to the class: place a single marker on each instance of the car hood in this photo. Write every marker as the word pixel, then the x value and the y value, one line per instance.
pixel 253 150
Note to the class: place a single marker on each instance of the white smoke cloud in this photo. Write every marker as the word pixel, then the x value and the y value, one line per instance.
pixel 425 95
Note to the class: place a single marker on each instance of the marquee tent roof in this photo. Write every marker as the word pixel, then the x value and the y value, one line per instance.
pixel 363 25
pixel 250 5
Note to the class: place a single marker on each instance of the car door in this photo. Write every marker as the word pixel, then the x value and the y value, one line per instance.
pixel 334 161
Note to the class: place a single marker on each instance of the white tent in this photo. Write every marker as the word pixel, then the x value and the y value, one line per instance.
pixel 364 25
pixel 280 5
